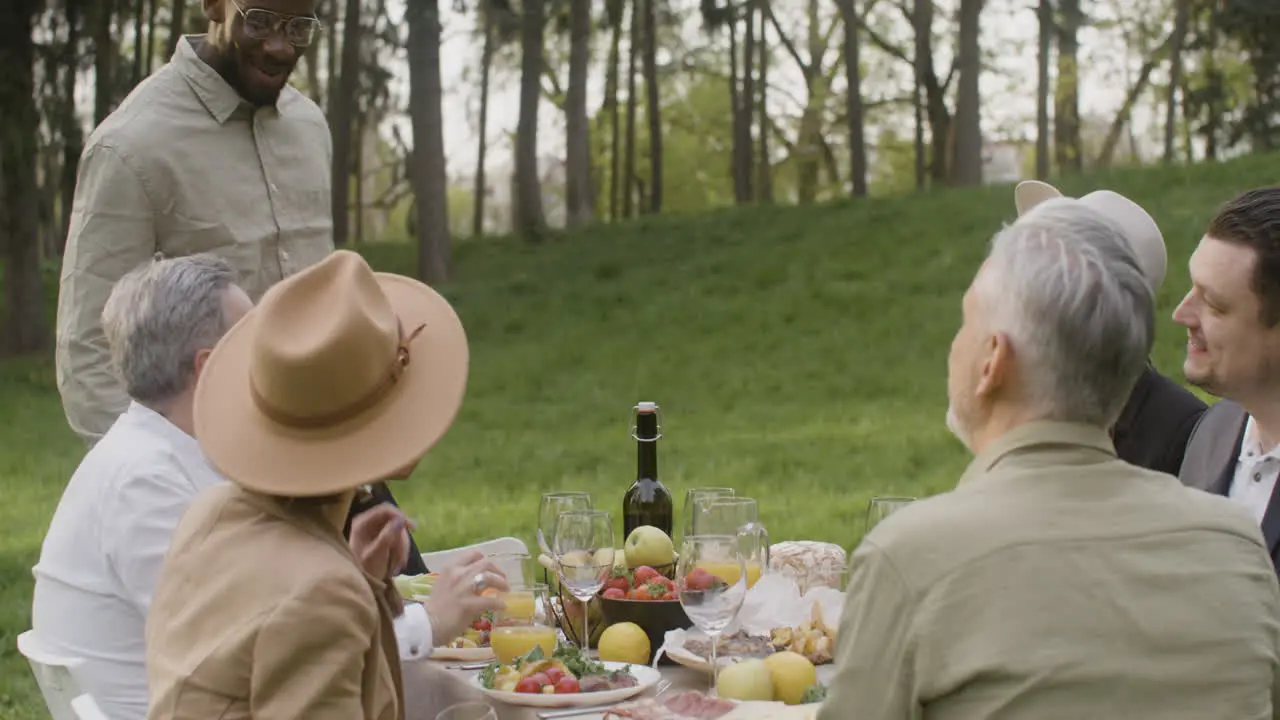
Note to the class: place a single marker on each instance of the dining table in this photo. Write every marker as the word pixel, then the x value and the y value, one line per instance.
pixel 433 685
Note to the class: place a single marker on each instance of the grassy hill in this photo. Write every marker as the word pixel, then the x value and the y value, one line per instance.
pixel 798 354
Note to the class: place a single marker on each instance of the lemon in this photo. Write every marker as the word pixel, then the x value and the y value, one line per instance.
pixel 625 643
pixel 746 680
pixel 792 675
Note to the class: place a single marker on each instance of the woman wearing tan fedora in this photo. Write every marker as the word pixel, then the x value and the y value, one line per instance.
pixel 339 378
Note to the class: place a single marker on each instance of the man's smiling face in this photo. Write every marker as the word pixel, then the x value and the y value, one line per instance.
pixel 265 40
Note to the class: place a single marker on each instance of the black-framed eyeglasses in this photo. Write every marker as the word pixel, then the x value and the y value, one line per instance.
pixel 259 24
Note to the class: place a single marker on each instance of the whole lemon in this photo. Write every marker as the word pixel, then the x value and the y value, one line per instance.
pixel 625 643
pixel 746 680
pixel 792 675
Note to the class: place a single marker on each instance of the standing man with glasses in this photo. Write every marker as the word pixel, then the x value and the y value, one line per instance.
pixel 215 152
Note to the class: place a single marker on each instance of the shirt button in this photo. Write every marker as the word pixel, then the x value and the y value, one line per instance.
pixel 1257 477
pixel 273 187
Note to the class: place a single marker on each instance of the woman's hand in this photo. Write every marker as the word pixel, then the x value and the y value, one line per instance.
pixel 456 602
pixel 380 540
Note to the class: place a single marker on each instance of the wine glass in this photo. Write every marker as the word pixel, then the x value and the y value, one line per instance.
pixel 738 516
pixel 549 509
pixel 882 507
pixel 583 546
pixel 468 711
pixel 694 496
pixel 712 585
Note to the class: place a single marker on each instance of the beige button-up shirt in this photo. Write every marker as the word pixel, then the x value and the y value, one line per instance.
pixel 1059 583
pixel 185 166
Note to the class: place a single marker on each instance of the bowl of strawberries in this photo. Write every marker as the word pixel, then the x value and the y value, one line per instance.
pixel 648 598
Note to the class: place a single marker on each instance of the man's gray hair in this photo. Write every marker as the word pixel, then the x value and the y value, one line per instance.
pixel 1066 288
pixel 158 316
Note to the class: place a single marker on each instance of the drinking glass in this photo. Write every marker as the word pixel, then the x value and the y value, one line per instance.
pixel 525 623
pixel 468 711
pixel 738 516
pixel 711 584
pixel 694 496
pixel 583 547
pixel 549 510
pixel 882 507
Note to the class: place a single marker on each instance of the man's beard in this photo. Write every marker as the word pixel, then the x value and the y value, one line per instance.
pixel 956 427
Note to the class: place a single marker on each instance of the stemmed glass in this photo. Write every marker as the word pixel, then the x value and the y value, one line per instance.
pixel 694 498
pixel 712 585
pixel 882 507
pixel 549 510
pixel 468 711
pixel 583 546
pixel 738 516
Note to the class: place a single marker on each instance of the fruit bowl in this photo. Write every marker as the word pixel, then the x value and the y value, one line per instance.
pixel 655 617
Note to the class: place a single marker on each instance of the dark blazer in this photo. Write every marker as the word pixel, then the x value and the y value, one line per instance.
pixel 378 494
pixel 1212 456
pixel 1155 425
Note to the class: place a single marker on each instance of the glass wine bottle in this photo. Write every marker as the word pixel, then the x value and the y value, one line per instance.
pixel 647 501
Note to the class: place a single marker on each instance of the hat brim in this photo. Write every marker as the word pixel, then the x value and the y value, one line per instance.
pixel 1030 193
pixel 260 454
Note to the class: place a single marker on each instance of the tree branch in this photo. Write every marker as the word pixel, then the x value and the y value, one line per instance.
pixel 786 41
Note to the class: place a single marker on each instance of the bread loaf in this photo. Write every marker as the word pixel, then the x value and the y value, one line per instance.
pixel 810 563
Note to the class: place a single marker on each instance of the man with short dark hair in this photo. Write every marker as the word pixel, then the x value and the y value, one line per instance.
pixel 215 152
pixel 1232 316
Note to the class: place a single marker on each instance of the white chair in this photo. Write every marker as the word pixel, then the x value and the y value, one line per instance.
pixel 86 708
pixel 56 676
pixel 439 559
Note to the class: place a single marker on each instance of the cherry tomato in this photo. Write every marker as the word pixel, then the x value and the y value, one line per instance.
pixel 553 675
pixel 482 624
pixel 614 593
pixel 540 678
pixel 528 685
pixel 566 685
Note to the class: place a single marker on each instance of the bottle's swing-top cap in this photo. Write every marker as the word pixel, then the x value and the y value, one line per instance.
pixel 647 407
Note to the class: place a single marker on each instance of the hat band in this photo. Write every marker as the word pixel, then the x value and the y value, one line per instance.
pixel 350 410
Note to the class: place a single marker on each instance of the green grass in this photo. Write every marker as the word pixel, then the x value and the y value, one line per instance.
pixel 799 355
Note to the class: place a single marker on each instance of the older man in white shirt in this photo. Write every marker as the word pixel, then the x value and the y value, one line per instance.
pixel 114 523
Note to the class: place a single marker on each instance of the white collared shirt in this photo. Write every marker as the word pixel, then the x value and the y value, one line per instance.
pixel 103 552
pixel 1256 472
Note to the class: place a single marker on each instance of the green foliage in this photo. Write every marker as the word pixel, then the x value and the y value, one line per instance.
pixel 798 354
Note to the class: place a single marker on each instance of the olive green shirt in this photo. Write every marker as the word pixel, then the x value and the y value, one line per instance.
pixel 1058 583
pixel 185 166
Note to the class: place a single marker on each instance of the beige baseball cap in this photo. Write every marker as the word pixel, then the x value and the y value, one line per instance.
pixel 1139 228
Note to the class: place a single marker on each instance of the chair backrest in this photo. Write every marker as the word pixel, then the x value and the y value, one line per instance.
pixel 86 708
pixel 54 674
pixel 435 561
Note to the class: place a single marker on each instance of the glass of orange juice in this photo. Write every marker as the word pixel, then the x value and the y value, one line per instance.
pixel 739 516
pixel 525 622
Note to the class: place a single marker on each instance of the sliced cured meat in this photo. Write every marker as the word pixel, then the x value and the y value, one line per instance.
pixel 690 705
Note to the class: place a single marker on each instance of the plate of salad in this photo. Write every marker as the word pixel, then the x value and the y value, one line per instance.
pixel 471 646
pixel 566 679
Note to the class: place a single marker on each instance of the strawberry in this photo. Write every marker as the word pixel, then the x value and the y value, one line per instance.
pixel 644 574
pixel 614 593
pixel 618 580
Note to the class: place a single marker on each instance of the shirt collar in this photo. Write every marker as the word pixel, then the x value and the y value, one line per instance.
pixel 1251 449
pixel 1037 434
pixel 154 422
pixel 217 96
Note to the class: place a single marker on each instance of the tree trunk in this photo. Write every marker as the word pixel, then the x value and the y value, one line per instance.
pixel 577 138
pixel 340 120
pixel 430 185
pixel 357 174
pixel 629 162
pixel 1044 20
pixel 72 133
pixel 741 191
pixel 653 108
pixel 149 52
pixel 765 180
pixel 748 98
pixel 332 81
pixel 23 328
pixel 104 59
pixel 922 21
pixel 1066 115
pixel 139 17
pixel 481 188
pixel 1214 78
pixel 1112 140
pixel 1181 19
pixel 968 119
pixel 177 23
pixel 611 97
pixel 853 101
pixel 530 220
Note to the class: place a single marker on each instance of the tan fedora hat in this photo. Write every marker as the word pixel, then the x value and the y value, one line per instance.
pixel 339 377
pixel 1140 229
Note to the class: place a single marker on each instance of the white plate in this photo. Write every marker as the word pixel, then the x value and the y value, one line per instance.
pixel 647 676
pixel 463 654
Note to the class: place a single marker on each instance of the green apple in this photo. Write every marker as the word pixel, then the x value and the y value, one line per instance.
pixel 647 545
pixel 746 680
pixel 620 559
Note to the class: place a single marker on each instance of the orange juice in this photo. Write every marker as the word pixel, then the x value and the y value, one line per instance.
pixel 509 643
pixel 520 604
pixel 729 572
